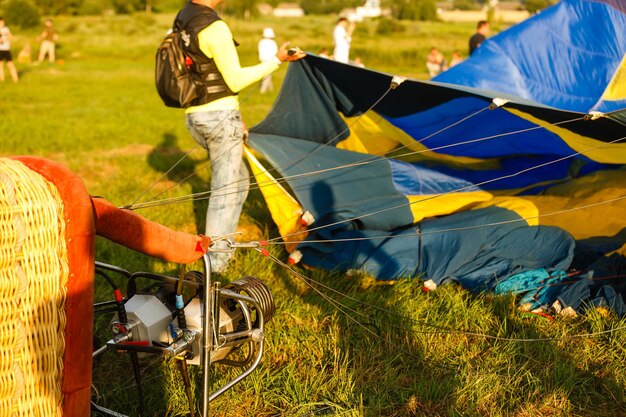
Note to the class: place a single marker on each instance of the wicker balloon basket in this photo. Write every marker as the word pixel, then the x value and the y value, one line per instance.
pixel 46 290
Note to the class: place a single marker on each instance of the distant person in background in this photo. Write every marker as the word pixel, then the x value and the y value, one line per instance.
pixel 5 52
pixel 267 52
pixel 477 39
pixel 435 62
pixel 358 62
pixel 48 40
pixel 23 57
pixel 342 36
pixel 324 53
pixel 456 59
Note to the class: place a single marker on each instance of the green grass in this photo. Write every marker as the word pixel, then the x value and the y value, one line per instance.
pixel 98 113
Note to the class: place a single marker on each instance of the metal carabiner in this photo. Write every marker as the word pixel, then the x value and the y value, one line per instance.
pixel 228 249
pixel 247 245
pixel 232 245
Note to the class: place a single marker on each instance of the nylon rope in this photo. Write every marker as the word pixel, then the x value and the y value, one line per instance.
pixel 455 229
pixel 442 330
pixel 272 241
pixel 182 158
pixel 340 307
pixel 133 205
pixel 366 161
pixel 258 185
pixel 456 190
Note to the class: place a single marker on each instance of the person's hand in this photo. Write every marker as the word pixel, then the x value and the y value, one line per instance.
pixel 289 55
pixel 351 27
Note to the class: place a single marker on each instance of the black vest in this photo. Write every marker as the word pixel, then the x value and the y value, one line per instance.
pixel 192 19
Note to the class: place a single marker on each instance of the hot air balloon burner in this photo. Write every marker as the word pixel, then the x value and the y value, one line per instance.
pixel 156 321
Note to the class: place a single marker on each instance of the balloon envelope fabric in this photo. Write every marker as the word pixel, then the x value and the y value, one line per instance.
pixel 508 159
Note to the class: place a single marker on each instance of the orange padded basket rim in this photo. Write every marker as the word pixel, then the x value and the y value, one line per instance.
pixel 80 240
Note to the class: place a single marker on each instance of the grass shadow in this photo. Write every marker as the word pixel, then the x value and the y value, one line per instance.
pixel 180 168
pixel 376 358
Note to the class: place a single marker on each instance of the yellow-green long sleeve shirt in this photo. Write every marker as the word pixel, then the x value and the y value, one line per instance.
pixel 216 42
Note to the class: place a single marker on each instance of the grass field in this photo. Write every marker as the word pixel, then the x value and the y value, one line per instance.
pixel 99 114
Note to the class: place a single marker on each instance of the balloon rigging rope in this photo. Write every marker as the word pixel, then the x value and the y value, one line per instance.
pixel 346 310
pixel 186 155
pixel 153 203
pixel 134 205
pixel 453 229
pixel 455 190
pixel 368 161
pixel 350 312
pixel 258 185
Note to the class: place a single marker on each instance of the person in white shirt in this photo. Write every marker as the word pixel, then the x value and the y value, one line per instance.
pixel 5 52
pixel 267 52
pixel 342 36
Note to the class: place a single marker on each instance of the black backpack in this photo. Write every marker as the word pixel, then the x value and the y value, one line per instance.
pixel 175 83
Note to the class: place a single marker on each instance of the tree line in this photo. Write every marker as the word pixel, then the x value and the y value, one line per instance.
pixel 28 13
pixel 25 12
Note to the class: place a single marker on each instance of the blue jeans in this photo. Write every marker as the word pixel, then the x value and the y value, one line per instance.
pixel 221 134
